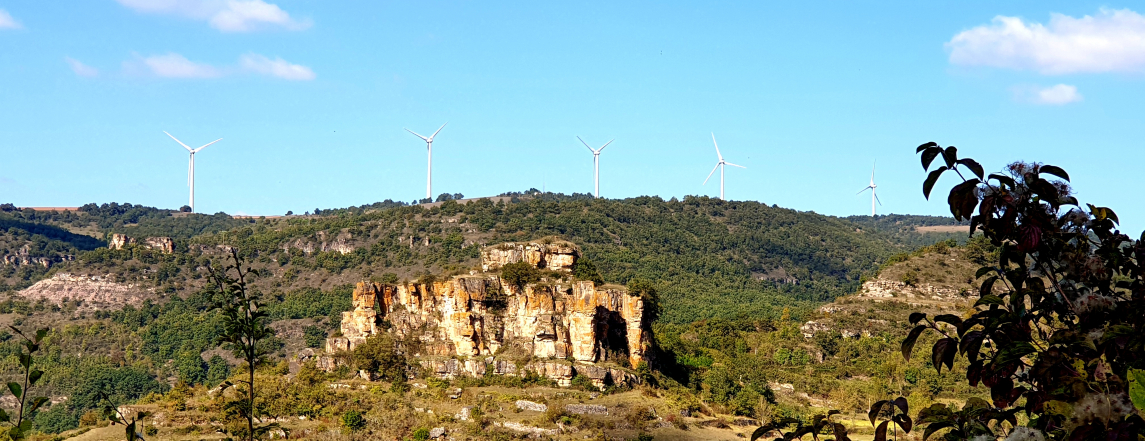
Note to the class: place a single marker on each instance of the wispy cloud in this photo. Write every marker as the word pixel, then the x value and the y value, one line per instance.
pixel 224 15
pixel 81 69
pixel 173 65
pixel 1055 95
pixel 276 68
pixel 1058 95
pixel 1110 41
pixel 7 22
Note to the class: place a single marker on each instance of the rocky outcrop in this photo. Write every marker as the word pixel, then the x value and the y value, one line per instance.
pixel 465 325
pixel 119 241
pixel 165 245
pixel 341 244
pixel 555 255
pixel 889 289
pixel 92 292
pixel 23 257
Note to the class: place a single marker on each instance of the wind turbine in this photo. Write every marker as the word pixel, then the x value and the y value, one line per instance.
pixel 429 148
pixel 596 164
pixel 720 165
pixel 874 197
pixel 191 166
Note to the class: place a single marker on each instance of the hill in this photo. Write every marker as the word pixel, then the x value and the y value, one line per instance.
pixel 709 258
pixel 738 281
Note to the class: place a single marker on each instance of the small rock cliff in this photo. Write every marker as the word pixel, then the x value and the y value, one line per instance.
pixel 472 324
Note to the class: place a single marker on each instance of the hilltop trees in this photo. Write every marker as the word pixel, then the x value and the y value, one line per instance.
pixel 1057 334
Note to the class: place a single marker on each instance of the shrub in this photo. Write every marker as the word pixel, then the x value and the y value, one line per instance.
pixel 379 356
pixel 352 420
pixel 520 274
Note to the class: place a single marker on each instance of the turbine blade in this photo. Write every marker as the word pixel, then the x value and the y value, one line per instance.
pixel 864 189
pixel 178 141
pixel 734 165
pixel 717 147
pixel 877 197
pixel 605 145
pixel 438 130
pixel 872 174
pixel 190 167
pixel 710 174
pixel 586 145
pixel 205 146
pixel 419 136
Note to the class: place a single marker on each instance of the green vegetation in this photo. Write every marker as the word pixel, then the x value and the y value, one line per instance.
pixel 727 285
pixel 1056 334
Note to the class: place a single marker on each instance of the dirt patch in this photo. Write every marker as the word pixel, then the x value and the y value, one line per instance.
pixel 94 292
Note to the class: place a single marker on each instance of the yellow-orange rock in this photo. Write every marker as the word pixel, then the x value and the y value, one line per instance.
pixel 554 255
pixel 474 317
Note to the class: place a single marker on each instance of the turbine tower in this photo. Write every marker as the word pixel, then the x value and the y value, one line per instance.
pixel 429 148
pixel 720 165
pixel 191 166
pixel 596 164
pixel 874 197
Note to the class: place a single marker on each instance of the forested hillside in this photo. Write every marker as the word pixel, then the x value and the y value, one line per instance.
pixel 709 258
pixel 737 280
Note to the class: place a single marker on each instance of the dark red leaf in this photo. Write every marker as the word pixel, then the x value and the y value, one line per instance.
pixel 931 179
pixel 1053 170
pixel 950 155
pixel 944 352
pixel 900 403
pixel 908 342
pixel 875 409
pixel 973 166
pixel 881 431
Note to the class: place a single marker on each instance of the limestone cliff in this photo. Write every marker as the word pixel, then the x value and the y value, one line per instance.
pixel 476 320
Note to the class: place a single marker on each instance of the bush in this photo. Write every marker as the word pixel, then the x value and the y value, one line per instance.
pixel 352 420
pixel 314 336
pixel 520 274
pixel 379 356
pixel 421 434
pixel 584 269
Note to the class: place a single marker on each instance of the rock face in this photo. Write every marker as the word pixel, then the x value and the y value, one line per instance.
pixel 118 241
pixel 94 292
pixel 163 244
pixel 556 256
pixel 23 257
pixel 461 325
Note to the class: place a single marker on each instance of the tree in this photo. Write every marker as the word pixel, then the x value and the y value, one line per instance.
pixel 519 274
pixel 245 326
pixel 379 356
pixel 1057 332
pixel 24 412
pixel 185 209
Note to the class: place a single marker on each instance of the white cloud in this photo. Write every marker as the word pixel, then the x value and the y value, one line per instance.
pixel 81 69
pixel 7 22
pixel 174 65
pixel 1055 95
pixel 276 68
pixel 1058 95
pixel 1110 41
pixel 224 15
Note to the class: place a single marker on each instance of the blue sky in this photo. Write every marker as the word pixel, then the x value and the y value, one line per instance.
pixel 311 97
